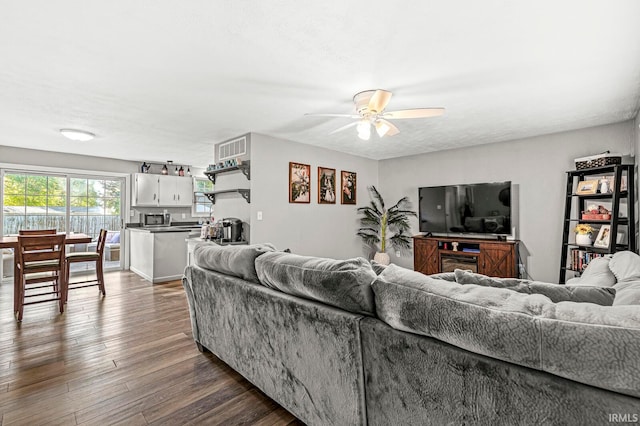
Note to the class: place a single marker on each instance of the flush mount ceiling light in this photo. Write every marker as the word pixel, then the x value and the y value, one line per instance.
pixel 77 135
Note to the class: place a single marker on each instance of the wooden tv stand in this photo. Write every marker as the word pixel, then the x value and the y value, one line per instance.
pixel 432 255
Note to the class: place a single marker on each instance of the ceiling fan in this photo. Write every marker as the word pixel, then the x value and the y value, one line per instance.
pixel 370 106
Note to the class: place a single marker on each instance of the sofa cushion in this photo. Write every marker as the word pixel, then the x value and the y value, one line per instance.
pixel 237 261
pixel 345 284
pixel 448 276
pixel 625 265
pixel 555 292
pixel 496 322
pixel 378 268
pixel 596 345
pixel 597 273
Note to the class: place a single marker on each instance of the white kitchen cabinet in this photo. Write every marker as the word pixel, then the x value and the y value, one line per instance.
pixel 162 191
pixel 184 191
pixel 145 190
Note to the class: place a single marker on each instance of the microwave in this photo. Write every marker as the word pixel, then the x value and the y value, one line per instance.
pixel 153 219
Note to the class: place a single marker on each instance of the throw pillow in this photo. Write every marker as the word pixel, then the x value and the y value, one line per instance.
pixel 237 261
pixel 625 265
pixel 627 293
pixel 596 274
pixel 345 284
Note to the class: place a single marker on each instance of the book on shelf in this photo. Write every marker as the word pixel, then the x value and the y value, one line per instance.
pixel 579 259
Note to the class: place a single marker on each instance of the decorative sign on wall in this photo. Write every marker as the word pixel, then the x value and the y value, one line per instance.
pixel 348 187
pixel 326 185
pixel 299 183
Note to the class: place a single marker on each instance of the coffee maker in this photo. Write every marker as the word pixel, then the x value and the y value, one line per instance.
pixel 231 229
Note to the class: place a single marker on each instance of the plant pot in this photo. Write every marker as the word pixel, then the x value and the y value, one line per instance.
pixel 583 239
pixel 382 258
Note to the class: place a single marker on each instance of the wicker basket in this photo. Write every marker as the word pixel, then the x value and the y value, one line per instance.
pixel 600 160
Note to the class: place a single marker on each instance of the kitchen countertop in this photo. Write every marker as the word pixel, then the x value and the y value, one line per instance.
pixel 218 242
pixel 158 229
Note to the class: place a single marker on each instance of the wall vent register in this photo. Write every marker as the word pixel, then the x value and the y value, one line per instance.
pixel 232 149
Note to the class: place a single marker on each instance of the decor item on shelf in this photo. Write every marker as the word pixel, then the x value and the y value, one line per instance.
pixel 583 232
pixel 595 212
pixel 587 187
pixel 299 183
pixel 349 187
pixel 370 107
pixel 598 160
pixel 326 185
pixel 377 223
pixel 604 236
pixel 181 171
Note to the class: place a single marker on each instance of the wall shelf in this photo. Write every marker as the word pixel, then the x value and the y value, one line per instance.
pixel 245 193
pixel 245 168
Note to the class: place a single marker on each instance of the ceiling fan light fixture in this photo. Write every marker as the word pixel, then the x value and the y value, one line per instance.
pixel 382 128
pixel 364 130
pixel 77 135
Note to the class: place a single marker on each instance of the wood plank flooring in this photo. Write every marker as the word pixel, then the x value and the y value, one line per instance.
pixel 126 359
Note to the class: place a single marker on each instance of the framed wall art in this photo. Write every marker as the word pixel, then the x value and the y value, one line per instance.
pixel 299 183
pixel 326 185
pixel 348 187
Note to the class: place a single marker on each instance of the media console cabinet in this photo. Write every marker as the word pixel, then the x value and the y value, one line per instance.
pixel 432 255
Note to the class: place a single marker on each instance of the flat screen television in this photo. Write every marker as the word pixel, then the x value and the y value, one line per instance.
pixel 481 208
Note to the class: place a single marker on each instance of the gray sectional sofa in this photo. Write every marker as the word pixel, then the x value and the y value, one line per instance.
pixel 342 342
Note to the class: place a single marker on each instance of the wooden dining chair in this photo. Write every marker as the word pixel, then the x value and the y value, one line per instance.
pixel 88 256
pixel 29 232
pixel 41 270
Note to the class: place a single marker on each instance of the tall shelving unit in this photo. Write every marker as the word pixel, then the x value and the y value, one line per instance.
pixel 576 203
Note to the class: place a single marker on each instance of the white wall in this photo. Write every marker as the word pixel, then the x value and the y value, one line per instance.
pixel 327 230
pixel 536 166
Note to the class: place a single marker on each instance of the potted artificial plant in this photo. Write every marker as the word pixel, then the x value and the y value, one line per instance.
pixel 381 227
pixel 584 232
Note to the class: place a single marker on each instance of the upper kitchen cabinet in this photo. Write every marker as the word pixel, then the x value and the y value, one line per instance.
pixel 161 190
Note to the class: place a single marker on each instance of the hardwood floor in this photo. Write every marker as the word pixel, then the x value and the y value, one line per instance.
pixel 128 359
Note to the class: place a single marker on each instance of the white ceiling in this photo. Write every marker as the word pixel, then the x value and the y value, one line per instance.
pixel 165 80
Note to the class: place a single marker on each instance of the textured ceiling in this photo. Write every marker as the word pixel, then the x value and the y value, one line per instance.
pixel 159 80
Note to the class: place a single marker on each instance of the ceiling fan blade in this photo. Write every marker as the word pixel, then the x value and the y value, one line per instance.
pixel 385 128
pixel 379 100
pixel 332 115
pixel 413 113
pixel 339 129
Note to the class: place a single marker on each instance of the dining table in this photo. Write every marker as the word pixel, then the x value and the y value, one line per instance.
pixel 11 242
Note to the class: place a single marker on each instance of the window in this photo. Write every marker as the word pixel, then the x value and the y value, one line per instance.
pixel 67 203
pixel 202 206
pixel 34 201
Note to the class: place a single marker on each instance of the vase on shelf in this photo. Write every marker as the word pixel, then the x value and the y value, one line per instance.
pixel 583 239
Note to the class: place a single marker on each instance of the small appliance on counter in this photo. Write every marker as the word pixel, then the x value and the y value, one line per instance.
pixel 153 219
pixel 231 229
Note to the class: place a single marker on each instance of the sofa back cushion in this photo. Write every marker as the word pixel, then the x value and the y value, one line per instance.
pixel 555 292
pixel 237 261
pixel 592 344
pixel 345 284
